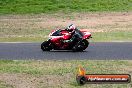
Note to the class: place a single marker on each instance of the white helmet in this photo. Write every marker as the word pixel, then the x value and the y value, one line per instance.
pixel 71 27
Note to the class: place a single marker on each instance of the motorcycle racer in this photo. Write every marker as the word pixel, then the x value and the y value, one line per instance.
pixel 72 30
pixel 67 39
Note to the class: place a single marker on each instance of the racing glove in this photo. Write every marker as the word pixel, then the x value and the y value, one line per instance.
pixel 67 41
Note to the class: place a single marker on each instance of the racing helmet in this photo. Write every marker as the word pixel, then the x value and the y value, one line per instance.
pixel 71 28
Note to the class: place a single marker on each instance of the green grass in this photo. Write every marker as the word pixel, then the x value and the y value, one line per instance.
pixel 66 70
pixel 117 36
pixel 47 67
pixel 25 31
pixel 4 85
pixel 23 39
pixel 51 6
pixel 24 35
pixel 97 37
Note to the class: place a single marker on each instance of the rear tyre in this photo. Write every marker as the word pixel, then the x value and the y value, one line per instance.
pixel 46 46
pixel 84 44
pixel 81 46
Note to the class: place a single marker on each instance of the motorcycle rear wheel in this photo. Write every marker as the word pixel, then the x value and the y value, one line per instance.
pixel 85 44
pixel 45 46
pixel 81 46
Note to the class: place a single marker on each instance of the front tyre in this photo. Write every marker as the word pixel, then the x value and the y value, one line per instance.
pixel 46 46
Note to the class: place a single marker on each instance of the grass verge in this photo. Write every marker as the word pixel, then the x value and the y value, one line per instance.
pixel 119 36
pixel 58 73
pixel 105 27
pixel 51 6
pixel 4 85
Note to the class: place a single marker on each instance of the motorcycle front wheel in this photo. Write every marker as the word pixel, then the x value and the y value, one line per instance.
pixel 45 46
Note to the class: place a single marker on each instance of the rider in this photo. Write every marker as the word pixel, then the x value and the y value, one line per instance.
pixel 71 29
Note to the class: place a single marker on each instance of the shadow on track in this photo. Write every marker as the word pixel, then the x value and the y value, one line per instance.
pixel 65 51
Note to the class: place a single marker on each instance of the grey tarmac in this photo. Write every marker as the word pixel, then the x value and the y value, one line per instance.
pixel 95 51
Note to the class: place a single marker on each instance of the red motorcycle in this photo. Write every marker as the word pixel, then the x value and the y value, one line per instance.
pixel 57 38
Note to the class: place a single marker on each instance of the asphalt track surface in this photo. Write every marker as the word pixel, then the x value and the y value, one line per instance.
pixel 95 51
